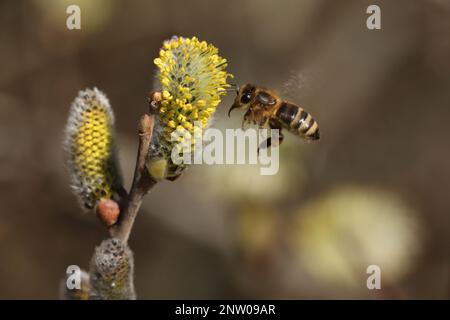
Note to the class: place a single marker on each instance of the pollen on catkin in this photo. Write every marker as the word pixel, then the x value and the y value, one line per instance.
pixel 89 145
pixel 193 79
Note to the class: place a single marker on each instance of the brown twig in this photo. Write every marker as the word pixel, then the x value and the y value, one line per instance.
pixel 142 183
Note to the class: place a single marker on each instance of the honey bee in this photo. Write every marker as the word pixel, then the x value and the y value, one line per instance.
pixel 267 110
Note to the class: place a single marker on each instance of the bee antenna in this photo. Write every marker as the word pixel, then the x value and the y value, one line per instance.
pixel 234 86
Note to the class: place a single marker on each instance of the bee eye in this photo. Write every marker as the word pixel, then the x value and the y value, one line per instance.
pixel 246 98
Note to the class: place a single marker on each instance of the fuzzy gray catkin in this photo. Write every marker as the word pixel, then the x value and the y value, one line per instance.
pixel 111 272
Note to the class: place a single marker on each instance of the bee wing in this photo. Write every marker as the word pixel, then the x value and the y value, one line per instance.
pixel 302 84
pixel 265 99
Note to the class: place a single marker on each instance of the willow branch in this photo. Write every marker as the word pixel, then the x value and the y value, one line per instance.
pixel 142 183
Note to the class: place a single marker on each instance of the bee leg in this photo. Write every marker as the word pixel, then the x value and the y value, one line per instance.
pixel 277 142
pixel 269 142
pixel 265 123
pixel 266 144
pixel 280 138
pixel 277 139
pixel 247 117
pixel 244 121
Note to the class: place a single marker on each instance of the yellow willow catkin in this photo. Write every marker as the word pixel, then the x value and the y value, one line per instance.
pixel 193 79
pixel 89 146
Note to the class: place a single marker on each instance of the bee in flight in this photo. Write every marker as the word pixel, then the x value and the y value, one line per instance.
pixel 267 110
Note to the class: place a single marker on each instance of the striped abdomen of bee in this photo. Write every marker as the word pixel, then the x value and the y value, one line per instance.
pixel 297 121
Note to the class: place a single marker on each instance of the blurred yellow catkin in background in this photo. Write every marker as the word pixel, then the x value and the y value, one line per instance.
pixel 338 235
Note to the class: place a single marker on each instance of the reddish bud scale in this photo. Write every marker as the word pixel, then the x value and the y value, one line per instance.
pixel 108 211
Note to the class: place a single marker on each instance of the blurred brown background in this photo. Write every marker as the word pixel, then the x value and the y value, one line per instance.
pixel 374 190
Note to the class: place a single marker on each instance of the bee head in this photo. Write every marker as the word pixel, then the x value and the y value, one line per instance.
pixel 244 97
